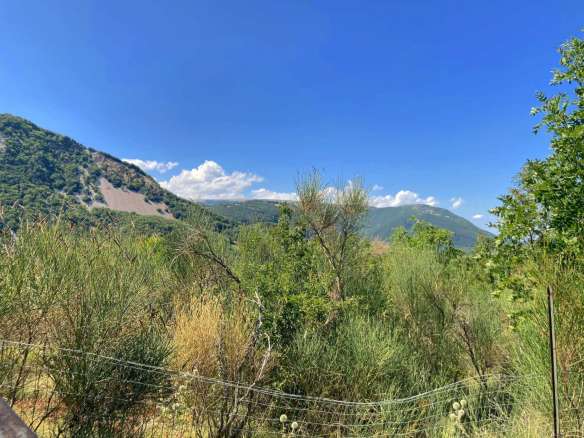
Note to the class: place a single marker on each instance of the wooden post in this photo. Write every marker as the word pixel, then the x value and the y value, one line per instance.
pixel 11 426
pixel 554 370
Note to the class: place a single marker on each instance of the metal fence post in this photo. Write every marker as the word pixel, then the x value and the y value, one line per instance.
pixel 554 370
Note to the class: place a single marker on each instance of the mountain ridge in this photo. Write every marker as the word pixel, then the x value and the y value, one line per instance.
pixel 377 224
pixel 46 173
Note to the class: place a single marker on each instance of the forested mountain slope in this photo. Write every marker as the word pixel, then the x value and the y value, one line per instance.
pixel 45 174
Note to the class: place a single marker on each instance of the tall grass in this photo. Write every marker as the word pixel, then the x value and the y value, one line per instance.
pixel 530 352
pixel 206 333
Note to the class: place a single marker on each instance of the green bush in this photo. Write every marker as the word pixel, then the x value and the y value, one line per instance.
pixel 444 314
pixel 359 360
pixel 93 293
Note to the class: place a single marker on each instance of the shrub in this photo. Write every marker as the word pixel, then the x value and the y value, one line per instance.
pixel 359 360
pixel 444 315
pixel 96 293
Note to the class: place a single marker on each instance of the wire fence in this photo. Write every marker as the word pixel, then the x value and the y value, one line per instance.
pixel 65 392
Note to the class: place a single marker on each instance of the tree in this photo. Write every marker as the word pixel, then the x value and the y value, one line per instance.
pixel 548 203
pixel 425 235
pixel 333 216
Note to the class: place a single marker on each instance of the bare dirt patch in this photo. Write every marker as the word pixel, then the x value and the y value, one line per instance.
pixel 132 202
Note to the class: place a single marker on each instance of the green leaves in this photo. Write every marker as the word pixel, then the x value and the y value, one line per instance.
pixel 547 206
pixel 424 235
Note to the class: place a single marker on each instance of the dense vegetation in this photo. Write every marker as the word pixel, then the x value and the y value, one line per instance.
pixel 309 307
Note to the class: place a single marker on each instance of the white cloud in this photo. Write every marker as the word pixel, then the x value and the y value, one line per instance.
pixel 209 181
pixel 403 197
pixel 274 196
pixel 376 188
pixel 456 202
pixel 149 165
pixel 477 216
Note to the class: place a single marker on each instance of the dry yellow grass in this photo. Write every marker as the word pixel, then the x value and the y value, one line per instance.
pixel 203 328
pixel 529 424
pixel 379 247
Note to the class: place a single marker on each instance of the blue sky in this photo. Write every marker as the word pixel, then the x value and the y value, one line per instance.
pixel 430 98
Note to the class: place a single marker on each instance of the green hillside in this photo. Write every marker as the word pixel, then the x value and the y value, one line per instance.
pixel 246 212
pixel 46 174
pixel 379 222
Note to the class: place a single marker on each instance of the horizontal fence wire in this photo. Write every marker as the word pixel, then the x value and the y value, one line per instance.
pixel 68 392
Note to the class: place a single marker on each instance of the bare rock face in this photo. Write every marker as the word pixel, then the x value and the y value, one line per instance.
pixel 132 202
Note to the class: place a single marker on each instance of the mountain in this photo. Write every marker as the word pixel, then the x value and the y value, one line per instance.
pixel 47 174
pixel 378 223
pixel 246 212
pixel 43 173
